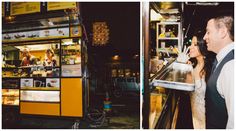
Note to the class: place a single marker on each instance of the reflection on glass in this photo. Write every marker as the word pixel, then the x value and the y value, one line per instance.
pixel 178 76
pixel 42 96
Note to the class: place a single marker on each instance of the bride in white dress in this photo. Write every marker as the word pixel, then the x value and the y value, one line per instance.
pixel 202 67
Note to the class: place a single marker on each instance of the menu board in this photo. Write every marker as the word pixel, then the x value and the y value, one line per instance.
pixel 60 5
pixel 19 8
pixel 36 35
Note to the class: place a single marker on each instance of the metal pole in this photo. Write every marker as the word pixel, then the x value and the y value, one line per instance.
pixel 146 97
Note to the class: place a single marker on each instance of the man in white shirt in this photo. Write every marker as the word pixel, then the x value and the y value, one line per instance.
pixel 220 87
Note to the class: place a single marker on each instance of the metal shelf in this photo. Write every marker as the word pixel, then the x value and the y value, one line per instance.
pixel 178 39
pixel 166 38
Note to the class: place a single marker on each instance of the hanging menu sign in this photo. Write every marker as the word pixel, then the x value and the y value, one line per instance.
pixel 36 35
pixel 60 5
pixel 19 8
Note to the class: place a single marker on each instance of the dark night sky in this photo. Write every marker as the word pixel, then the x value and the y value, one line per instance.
pixel 123 20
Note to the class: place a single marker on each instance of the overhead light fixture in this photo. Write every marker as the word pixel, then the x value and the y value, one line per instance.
pixel 169 11
pixel 46 22
pixel 207 3
pixel 116 57
pixel 135 56
pixel 80 41
pixel 34 47
pixel 203 3
pixel 10 18
pixel 68 42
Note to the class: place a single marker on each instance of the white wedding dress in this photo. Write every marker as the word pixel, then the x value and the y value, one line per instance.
pixel 198 104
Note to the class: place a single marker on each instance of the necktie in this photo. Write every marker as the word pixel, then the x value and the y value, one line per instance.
pixel 214 66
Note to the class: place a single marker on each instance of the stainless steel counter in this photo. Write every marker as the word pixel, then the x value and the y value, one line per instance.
pixel 176 76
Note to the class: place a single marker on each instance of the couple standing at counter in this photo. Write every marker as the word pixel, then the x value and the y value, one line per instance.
pixel 212 102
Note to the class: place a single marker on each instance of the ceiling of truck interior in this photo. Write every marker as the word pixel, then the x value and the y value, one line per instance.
pixel 30 24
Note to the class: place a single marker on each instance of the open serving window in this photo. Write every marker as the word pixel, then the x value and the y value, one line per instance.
pixel 31 60
pixel 43 81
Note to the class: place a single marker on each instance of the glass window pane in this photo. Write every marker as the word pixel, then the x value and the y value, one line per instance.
pixel 71 57
pixel 45 96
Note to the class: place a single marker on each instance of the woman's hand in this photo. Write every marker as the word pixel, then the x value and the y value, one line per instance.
pixel 183 57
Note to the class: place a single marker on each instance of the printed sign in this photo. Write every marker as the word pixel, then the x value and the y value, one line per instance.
pixel 36 35
pixel 19 8
pixel 60 5
pixel 53 82
pixel 26 83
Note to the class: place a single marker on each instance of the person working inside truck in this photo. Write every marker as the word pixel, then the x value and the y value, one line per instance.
pixel 49 58
pixel 28 58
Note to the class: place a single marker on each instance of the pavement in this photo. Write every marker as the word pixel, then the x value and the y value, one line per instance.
pixel 125 114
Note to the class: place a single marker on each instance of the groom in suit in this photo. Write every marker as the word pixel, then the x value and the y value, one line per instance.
pixel 219 96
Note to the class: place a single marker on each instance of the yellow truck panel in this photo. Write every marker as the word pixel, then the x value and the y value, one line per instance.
pixel 71 97
pixel 40 108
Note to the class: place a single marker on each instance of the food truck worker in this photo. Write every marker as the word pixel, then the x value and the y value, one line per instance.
pixel 28 59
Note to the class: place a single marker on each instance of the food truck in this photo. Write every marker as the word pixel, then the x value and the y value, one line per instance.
pixel 44 33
